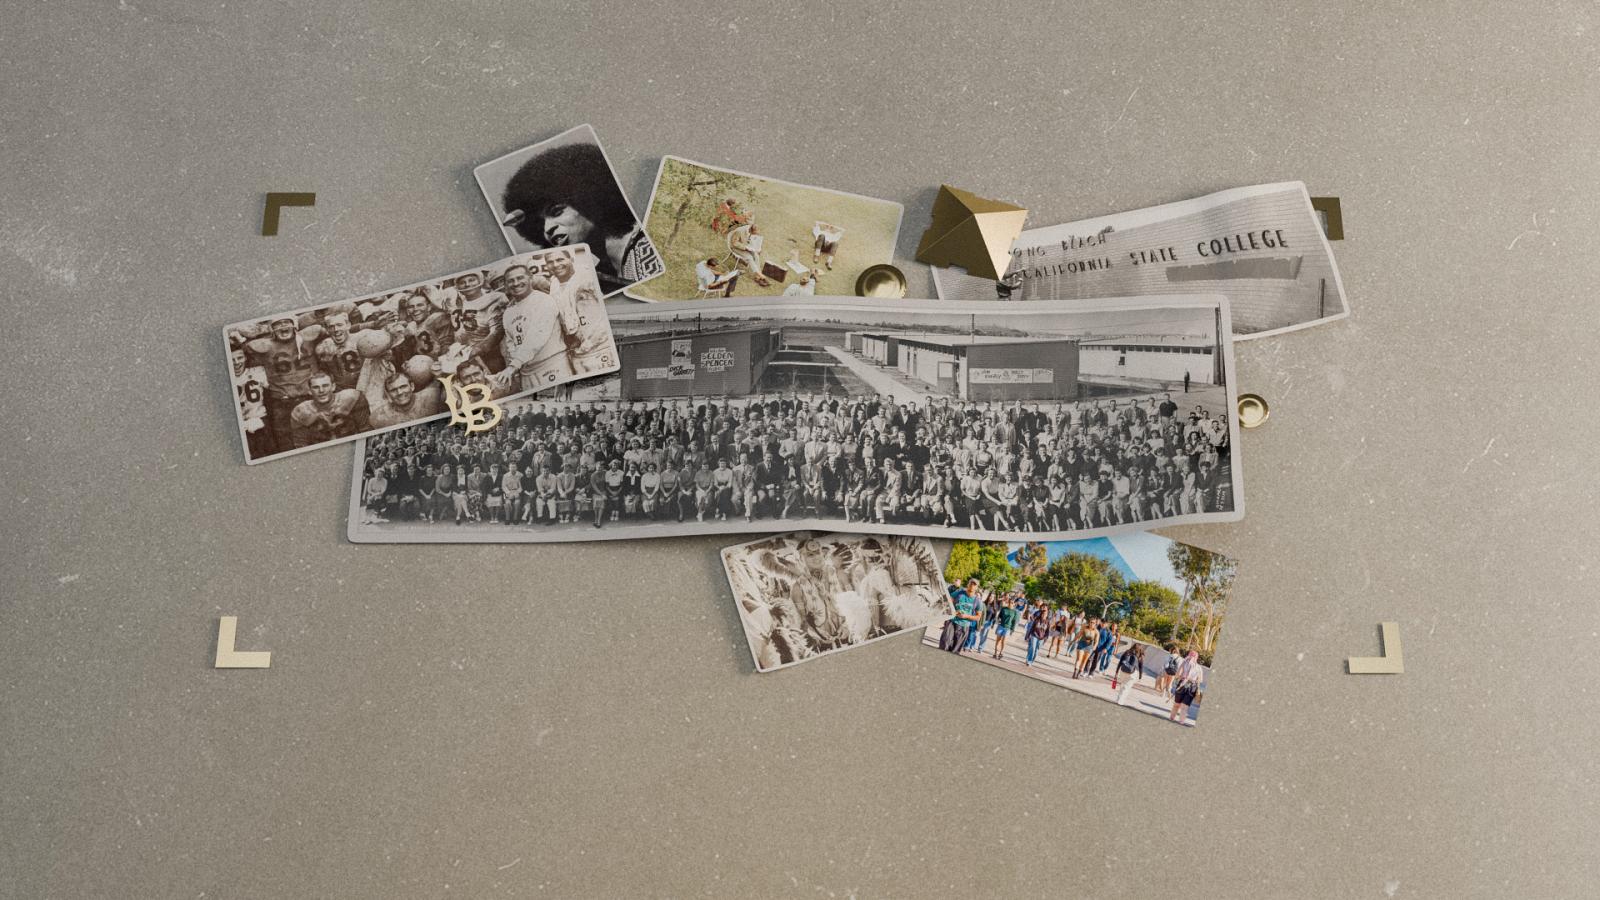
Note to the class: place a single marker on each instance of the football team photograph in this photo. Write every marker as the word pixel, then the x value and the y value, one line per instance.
pixel 328 374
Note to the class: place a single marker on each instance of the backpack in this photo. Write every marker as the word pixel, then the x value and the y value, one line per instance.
pixel 1187 691
pixel 1172 665
pixel 951 636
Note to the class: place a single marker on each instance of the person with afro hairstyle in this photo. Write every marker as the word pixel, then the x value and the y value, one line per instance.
pixel 567 195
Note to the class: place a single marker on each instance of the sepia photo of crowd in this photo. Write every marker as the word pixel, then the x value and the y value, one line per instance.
pixel 805 595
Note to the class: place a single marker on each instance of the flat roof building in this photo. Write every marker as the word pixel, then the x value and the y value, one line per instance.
pixel 727 362
pixel 1165 358
pixel 976 367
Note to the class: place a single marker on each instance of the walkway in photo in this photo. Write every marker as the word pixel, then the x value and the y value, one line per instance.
pixel 884 380
pixel 1058 671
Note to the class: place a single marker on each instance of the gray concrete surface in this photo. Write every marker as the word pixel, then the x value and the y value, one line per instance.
pixel 559 721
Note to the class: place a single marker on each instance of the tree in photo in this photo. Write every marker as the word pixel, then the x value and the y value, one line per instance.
pixel 985 561
pixel 1151 608
pixel 963 562
pixel 1208 584
pixel 994 569
pixel 1031 559
pixel 699 192
pixel 1076 581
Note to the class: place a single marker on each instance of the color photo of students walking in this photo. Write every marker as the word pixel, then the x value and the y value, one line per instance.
pixel 1133 619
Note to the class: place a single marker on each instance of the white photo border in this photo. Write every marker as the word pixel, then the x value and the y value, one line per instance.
pixel 359 532
pixel 1166 211
pixel 227 355
pixel 655 186
pixel 944 612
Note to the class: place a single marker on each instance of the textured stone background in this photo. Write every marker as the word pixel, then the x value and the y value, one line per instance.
pixel 565 721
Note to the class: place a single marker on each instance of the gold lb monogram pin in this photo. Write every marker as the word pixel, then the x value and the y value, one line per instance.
pixel 470 405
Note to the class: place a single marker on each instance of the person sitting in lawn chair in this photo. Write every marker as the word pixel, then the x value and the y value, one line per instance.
pixel 745 242
pixel 713 280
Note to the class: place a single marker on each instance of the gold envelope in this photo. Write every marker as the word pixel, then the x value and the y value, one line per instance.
pixel 971 232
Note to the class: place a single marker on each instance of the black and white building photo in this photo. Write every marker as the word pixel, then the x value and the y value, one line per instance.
pixel 879 416
pixel 1261 245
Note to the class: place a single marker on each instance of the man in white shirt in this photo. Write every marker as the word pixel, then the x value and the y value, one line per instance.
pixel 580 295
pixel 805 287
pixel 710 277
pixel 535 326
pixel 745 243
pixel 250 383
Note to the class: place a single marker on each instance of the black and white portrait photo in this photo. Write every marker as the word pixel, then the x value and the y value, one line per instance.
pixel 802 595
pixel 920 417
pixel 563 191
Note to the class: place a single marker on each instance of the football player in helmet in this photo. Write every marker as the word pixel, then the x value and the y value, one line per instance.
pixel 250 383
pixel 286 354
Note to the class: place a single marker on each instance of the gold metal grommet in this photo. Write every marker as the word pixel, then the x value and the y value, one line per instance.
pixel 882 280
pixel 1253 410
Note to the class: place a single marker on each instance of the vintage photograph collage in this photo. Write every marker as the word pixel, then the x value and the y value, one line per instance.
pixel 982 469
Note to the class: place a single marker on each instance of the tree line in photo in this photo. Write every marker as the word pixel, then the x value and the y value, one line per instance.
pixel 1087 585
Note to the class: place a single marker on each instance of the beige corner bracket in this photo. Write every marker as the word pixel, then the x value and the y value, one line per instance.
pixel 229 658
pixel 971 232
pixel 1392 662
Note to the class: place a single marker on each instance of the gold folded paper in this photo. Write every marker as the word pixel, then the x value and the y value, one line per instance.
pixel 971 232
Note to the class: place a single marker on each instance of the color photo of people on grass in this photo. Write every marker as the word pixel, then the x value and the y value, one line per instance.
pixel 724 233
pixel 1130 618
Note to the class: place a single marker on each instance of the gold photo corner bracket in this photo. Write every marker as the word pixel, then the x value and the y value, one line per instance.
pixel 1332 217
pixel 276 200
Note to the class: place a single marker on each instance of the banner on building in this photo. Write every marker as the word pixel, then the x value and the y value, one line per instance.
pixel 681 366
pixel 1010 376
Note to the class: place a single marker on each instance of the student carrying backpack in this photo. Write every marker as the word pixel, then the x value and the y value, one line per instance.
pixel 1126 664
